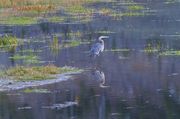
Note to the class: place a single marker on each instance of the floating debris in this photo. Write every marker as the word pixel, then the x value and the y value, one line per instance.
pixel 123 58
pixel 130 107
pixel 60 106
pixel 118 50
pixel 159 90
pixel 115 114
pixel 24 108
pixel 97 95
pixel 173 74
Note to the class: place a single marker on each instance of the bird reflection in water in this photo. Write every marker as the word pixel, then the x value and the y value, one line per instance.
pixel 100 77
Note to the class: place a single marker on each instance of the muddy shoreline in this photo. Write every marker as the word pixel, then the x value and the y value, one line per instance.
pixel 11 85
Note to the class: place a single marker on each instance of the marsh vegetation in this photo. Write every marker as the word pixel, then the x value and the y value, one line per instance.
pixel 139 67
pixel 25 73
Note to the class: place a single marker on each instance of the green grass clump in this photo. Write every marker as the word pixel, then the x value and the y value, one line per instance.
pixel 29 90
pixel 36 72
pixel 79 9
pixel 151 49
pixel 56 19
pixel 29 51
pixel 170 53
pixel 24 57
pixel 129 14
pixel 73 43
pixel 8 43
pixel 55 43
pixel 27 59
pixel 135 7
pixel 29 56
pixel 18 20
pixel 65 44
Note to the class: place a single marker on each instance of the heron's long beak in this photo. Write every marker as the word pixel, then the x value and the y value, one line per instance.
pixel 105 36
pixel 102 37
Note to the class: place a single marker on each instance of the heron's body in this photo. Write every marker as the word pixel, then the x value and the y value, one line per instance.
pixel 98 47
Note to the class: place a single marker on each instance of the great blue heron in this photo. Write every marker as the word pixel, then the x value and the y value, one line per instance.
pixel 98 46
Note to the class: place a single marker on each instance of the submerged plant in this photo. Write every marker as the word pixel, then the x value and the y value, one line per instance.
pixel 28 56
pixel 154 45
pixel 55 46
pixel 27 59
pixel 55 43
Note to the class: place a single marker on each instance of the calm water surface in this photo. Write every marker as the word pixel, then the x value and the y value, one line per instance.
pixel 130 84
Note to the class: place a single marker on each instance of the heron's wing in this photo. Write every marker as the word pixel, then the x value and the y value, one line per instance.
pixel 96 48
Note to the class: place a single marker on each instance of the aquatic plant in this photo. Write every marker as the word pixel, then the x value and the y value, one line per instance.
pixel 8 42
pixel 18 20
pixel 27 59
pixel 150 49
pixel 56 19
pixel 129 14
pixel 55 46
pixel 55 43
pixel 154 45
pixel 29 51
pixel 170 53
pixel 36 72
pixel 79 9
pixel 136 7
pixel 106 11
pixel 36 90
pixel 72 43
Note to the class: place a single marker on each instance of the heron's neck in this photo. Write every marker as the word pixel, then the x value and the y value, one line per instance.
pixel 101 40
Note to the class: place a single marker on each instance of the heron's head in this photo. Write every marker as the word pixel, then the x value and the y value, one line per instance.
pixel 103 37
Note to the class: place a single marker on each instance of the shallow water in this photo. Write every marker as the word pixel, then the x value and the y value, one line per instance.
pixel 126 84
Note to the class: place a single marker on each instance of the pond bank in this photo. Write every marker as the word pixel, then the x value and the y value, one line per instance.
pixel 10 85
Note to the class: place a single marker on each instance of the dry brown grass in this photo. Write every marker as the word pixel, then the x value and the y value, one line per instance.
pixel 16 3
pixel 34 8
pixel 37 8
